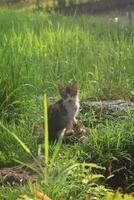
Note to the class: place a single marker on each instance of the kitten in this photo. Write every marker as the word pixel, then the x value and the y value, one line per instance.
pixel 62 114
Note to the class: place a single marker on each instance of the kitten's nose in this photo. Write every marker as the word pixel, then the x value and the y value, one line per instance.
pixel 70 100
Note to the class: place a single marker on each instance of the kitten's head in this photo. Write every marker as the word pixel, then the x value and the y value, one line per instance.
pixel 69 93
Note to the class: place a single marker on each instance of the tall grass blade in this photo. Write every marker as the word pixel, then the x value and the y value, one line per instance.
pixel 22 144
pixel 91 165
pixel 46 142
pixel 27 165
pixel 17 138
pixel 57 147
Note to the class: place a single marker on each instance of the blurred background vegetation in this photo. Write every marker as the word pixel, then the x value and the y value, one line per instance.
pixel 125 7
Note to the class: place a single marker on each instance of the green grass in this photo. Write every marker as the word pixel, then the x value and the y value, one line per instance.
pixel 38 51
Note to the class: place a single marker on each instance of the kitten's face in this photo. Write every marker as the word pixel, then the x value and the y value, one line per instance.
pixel 69 93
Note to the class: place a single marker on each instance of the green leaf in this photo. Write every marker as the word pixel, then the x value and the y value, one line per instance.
pixel 17 139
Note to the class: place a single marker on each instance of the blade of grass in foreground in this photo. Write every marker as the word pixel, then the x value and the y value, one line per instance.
pixel 24 146
pixel 27 165
pixel 57 148
pixel 17 138
pixel 46 142
pixel 91 165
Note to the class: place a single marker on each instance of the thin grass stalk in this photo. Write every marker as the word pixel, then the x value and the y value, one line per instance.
pixel 17 138
pixel 46 142
pixel 24 146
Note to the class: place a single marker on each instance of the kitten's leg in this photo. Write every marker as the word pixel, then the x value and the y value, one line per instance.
pixel 75 122
pixel 59 133
pixel 70 125
pixel 69 129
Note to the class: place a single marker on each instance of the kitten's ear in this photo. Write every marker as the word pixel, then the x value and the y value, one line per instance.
pixel 61 89
pixel 75 87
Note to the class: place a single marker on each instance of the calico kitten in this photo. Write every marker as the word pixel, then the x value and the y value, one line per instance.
pixel 62 114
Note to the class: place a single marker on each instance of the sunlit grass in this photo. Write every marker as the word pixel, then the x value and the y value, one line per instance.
pixel 39 48
pixel 38 51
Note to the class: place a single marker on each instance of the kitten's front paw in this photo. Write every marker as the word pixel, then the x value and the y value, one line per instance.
pixel 69 132
pixel 75 121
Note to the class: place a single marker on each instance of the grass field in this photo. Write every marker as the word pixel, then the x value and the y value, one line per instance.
pixel 38 51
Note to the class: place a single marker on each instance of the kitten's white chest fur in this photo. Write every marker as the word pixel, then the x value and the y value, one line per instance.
pixel 72 106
